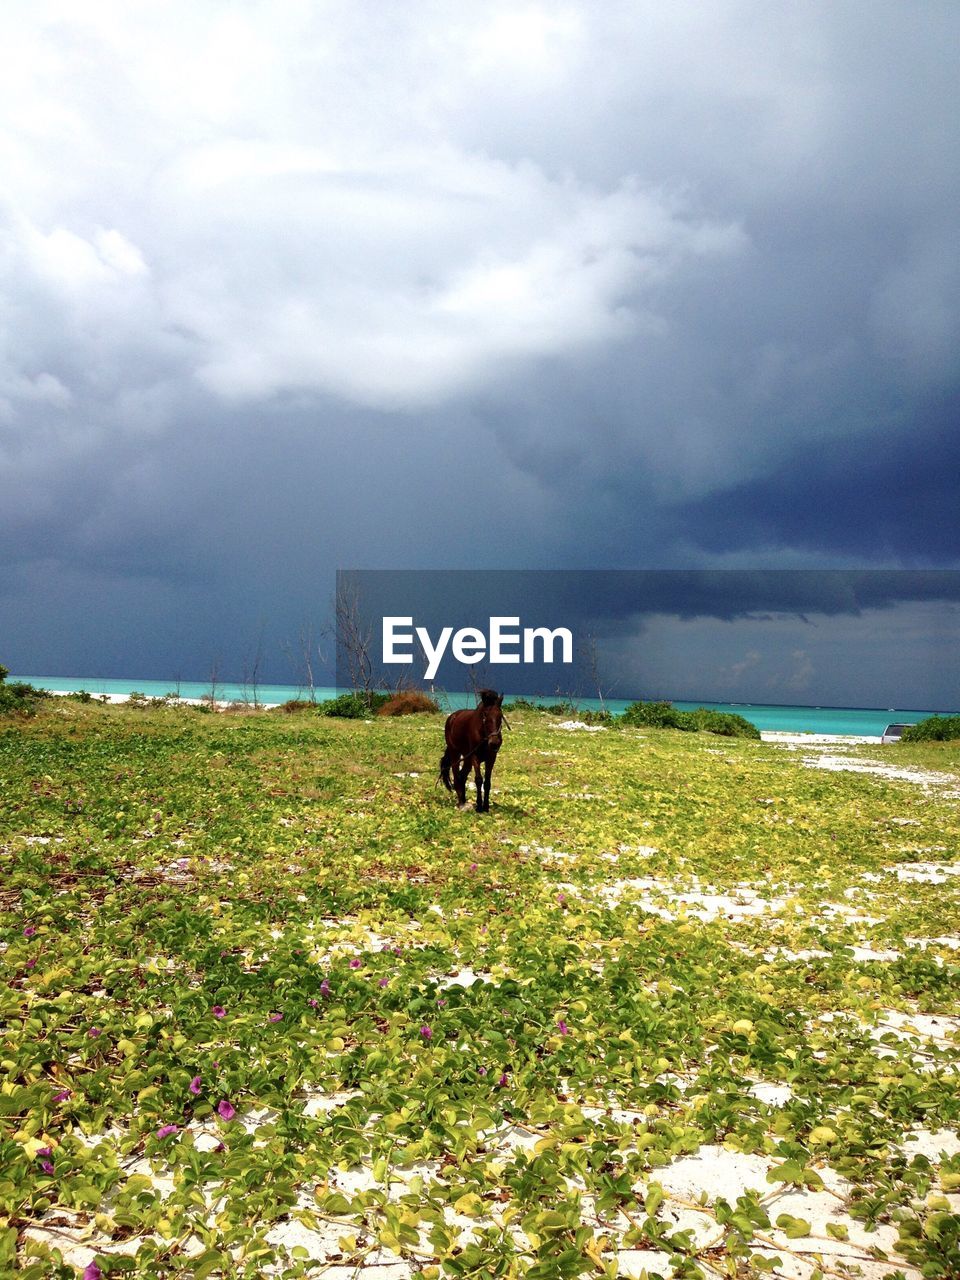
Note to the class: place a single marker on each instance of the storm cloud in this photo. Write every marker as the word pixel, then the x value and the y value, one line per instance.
pixel 410 285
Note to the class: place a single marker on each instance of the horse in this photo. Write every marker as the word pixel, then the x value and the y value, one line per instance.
pixel 473 738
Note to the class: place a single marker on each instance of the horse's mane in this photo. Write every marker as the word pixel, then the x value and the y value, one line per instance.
pixel 488 697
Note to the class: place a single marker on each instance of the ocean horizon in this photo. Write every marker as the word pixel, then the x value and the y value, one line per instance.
pixel 768 717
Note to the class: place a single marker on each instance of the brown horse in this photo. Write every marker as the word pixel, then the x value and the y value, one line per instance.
pixel 473 738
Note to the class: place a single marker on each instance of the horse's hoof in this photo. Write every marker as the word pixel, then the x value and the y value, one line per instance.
pixel 464 807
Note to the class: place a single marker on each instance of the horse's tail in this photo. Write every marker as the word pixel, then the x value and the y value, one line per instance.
pixel 446 764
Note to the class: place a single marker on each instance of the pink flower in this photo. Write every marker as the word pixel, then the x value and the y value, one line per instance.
pixel 325 987
pixel 275 1017
pixel 474 865
pixel 219 1011
pixel 441 1003
pixel 383 982
pixel 29 930
pixel 47 1167
pixel 482 1071
pixel 94 1031
pixel 31 964
pixel 502 1082
pixel 165 1130
pixel 224 1110
pixel 561 898
pixel 92 1272
pixel 426 1033
pixel 44 1151
pixel 195 1085
pixel 59 1097
pixel 355 963
pixel 563 1028
pixel 314 1004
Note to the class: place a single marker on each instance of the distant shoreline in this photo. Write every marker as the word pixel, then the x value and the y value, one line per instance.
pixel 771 719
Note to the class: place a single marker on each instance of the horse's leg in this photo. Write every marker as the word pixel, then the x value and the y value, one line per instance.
pixel 487 775
pixel 477 782
pixel 460 776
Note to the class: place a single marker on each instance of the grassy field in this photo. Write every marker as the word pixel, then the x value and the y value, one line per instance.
pixel 272 1006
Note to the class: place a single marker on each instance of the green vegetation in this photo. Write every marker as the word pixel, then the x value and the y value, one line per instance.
pixel 933 729
pixel 354 706
pixel 664 715
pixel 18 698
pixel 272 1001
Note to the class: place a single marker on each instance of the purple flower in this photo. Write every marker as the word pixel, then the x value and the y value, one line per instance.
pixel 474 865
pixel 44 1151
pixel 59 1097
pixel 94 1031
pixel 218 1011
pixel 47 1167
pixel 165 1130
pixel 355 963
pixel 224 1110
pixel 29 930
pixel 195 1085
pixel 314 1004
pixel 441 1003
pixel 398 951
pixel 31 964
pixel 275 1017
pixel 482 1071
pixel 502 1082
pixel 92 1272
pixel 426 1032
pixel 561 898
pixel 562 1027
pixel 325 987
pixel 383 982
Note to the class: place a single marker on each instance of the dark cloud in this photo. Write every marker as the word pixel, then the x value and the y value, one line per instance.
pixel 557 285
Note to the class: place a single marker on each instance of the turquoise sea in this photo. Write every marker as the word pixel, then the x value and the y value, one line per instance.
pixel 868 721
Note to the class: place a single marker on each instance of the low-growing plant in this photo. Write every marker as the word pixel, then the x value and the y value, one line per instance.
pixel 80 695
pixel 354 706
pixel 295 705
pixel 410 702
pixel 664 715
pixel 659 715
pixel 933 729
pixel 19 697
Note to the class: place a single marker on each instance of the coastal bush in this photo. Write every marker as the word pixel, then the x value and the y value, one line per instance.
pixel 19 697
pixel 663 715
pixel 409 703
pixel 294 705
pixel 80 695
pixel 933 729
pixel 659 715
pixel 354 706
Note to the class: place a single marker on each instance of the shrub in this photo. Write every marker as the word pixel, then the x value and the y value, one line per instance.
pixel 139 701
pixel 4 672
pixel 20 698
pixel 293 705
pixel 409 703
pixel 354 706
pixel 522 704
pixel 81 695
pixel 663 715
pixel 933 729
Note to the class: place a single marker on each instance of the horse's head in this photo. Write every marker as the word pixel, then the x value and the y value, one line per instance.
pixel 491 717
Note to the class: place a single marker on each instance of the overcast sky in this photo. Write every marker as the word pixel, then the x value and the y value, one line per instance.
pixel 287 288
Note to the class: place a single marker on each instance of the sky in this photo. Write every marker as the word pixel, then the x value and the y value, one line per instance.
pixel 286 289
